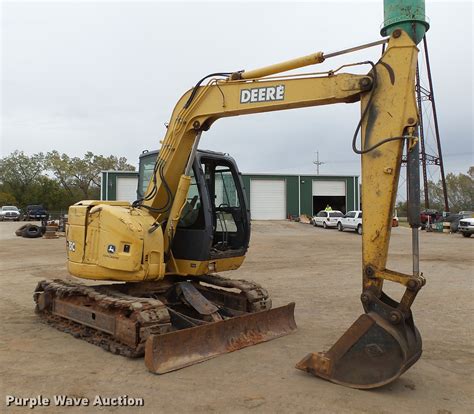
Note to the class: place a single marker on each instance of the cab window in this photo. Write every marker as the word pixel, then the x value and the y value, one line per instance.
pixel 225 191
pixel 147 165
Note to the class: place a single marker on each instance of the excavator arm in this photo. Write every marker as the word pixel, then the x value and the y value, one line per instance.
pixel 384 341
pixel 199 108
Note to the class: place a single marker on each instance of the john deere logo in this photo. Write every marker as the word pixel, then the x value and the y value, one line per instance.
pixel 270 93
pixel 111 249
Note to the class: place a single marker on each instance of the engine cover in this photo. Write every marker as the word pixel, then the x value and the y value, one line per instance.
pixel 110 240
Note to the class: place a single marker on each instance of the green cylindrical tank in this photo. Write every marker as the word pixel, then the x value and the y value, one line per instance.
pixel 408 15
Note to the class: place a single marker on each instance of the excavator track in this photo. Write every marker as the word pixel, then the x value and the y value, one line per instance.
pixel 121 317
pixel 48 294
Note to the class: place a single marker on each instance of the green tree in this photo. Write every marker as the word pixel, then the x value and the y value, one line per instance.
pixel 83 174
pixel 460 189
pixel 7 199
pixel 54 180
pixel 402 207
pixel 19 174
pixel 52 195
pixel 61 167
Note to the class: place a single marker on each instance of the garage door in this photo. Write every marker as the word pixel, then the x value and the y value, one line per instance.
pixel 329 188
pixel 127 188
pixel 267 199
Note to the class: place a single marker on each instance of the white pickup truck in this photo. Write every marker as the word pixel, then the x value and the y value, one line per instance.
pixel 352 220
pixel 466 226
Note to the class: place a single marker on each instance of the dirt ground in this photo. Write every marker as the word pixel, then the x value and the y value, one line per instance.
pixel 316 268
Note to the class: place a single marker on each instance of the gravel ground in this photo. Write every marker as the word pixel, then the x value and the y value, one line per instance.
pixel 316 268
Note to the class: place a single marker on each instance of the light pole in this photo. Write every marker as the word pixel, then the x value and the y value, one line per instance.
pixel 318 163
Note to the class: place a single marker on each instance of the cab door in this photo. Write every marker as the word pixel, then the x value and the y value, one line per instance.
pixel 230 215
pixel 215 222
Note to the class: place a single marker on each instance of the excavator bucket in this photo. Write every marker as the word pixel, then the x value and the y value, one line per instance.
pixel 179 349
pixel 371 353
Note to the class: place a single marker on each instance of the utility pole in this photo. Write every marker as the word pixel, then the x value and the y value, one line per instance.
pixel 318 163
pixel 427 95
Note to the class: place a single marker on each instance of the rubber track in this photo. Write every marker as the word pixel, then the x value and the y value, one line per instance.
pixel 106 297
pixel 118 300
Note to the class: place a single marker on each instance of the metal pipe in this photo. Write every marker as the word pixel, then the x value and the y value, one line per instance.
pixel 415 243
pixel 421 134
pixel 192 155
pixel 355 48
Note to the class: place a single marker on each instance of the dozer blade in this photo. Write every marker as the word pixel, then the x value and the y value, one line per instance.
pixel 179 349
pixel 371 353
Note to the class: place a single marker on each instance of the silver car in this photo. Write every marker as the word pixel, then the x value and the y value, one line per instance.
pixel 9 213
pixel 466 226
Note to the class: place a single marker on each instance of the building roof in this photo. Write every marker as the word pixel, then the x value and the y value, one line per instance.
pixel 307 174
pixel 279 174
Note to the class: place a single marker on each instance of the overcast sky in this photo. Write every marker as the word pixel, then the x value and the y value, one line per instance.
pixel 104 76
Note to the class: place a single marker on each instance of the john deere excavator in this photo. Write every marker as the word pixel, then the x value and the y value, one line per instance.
pixel 167 248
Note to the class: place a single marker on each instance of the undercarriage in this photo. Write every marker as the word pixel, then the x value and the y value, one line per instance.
pixel 176 322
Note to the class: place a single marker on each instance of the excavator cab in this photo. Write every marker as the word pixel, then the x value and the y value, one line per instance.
pixel 215 222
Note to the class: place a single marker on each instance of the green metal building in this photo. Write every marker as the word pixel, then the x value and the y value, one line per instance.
pixel 275 196
pixel 270 196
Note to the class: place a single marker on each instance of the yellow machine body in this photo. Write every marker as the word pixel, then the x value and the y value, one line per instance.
pixel 119 241
pixel 393 110
pixel 111 241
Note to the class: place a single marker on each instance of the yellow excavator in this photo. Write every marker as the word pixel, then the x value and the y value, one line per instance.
pixel 193 222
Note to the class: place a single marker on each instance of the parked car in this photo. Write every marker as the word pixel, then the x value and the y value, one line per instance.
pixel 432 215
pixel 454 219
pixel 462 215
pixel 10 213
pixel 35 212
pixel 466 226
pixel 327 218
pixel 352 220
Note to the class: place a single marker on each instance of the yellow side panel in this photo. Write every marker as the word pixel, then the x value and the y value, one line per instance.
pixel 112 242
pixel 94 272
pixel 77 215
pixel 75 242
pixel 196 268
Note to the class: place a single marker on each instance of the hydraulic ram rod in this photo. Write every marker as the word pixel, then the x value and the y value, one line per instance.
pixel 413 179
pixel 299 62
